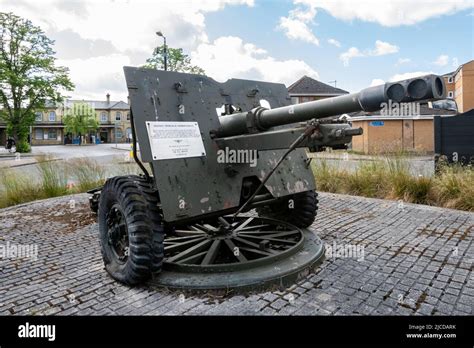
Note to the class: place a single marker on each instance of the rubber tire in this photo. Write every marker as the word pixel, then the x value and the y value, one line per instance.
pixel 302 215
pixel 94 204
pixel 139 203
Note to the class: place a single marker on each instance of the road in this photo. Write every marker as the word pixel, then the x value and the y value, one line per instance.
pixel 102 152
pixel 106 153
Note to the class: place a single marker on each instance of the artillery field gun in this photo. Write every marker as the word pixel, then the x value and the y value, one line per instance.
pixel 217 151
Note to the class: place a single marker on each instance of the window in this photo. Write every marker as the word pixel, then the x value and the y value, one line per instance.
pixel 103 117
pixel 118 116
pixel 128 116
pixel 38 134
pixel 118 133
pixel 294 100
pixel 450 79
pixel 38 116
pixel 128 132
pixel 52 116
pixel 52 134
pixel 450 94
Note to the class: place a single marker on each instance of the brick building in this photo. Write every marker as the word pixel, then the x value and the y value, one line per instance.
pixel 411 133
pixel 460 86
pixel 308 89
pixel 48 129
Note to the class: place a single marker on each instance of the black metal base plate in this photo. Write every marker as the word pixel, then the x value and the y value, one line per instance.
pixel 281 273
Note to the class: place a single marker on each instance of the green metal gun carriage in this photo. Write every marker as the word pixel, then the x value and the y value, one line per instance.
pixel 205 219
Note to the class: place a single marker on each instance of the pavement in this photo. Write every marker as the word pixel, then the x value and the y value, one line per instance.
pixel 387 258
pixel 101 152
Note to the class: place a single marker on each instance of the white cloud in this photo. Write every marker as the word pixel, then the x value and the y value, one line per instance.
pixel 122 31
pixel 409 75
pixel 399 77
pixel 349 54
pixel 442 60
pixel 402 61
pixel 229 57
pixel 334 42
pixel 388 13
pixel 381 48
pixel 127 24
pixel 95 77
pixel 296 27
pixel 377 82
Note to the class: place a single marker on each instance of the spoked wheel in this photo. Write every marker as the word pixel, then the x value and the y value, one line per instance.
pixel 227 244
pixel 299 209
pixel 131 229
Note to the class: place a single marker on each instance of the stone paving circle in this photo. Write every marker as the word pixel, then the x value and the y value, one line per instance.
pixel 382 258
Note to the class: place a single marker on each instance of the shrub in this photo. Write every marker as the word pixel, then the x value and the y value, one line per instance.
pixel 86 173
pixel 53 178
pixel 390 178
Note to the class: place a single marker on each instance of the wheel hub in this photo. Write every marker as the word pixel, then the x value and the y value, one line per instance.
pixel 118 233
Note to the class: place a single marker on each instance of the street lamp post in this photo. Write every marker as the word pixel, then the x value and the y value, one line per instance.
pixel 165 51
pixel 115 135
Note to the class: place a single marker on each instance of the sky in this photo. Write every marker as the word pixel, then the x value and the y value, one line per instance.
pixel 347 43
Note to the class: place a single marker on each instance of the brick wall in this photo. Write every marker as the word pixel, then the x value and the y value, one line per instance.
pixel 413 135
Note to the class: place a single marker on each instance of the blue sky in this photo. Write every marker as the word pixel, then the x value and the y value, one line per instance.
pixel 278 41
pixel 422 42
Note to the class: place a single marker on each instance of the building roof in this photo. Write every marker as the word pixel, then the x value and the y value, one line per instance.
pixel 449 73
pixel 96 104
pixel 309 86
pixel 458 68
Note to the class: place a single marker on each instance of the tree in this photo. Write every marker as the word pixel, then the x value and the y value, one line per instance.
pixel 28 75
pixel 177 61
pixel 80 120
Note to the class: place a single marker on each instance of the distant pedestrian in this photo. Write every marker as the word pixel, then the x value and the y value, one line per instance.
pixel 11 144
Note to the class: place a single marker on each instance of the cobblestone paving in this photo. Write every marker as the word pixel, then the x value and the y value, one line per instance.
pixel 412 259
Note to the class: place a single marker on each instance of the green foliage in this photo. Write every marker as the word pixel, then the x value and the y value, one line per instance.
pixel 16 188
pixel 454 186
pixel 56 178
pixel 28 75
pixel 80 119
pixel 390 178
pixel 53 178
pixel 23 146
pixel 88 174
pixel 176 61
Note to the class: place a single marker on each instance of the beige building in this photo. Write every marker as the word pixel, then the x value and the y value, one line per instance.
pixel 395 134
pixel 414 133
pixel 460 86
pixel 48 129
pixel 113 118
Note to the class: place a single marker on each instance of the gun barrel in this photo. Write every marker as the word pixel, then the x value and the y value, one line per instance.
pixel 429 87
